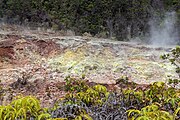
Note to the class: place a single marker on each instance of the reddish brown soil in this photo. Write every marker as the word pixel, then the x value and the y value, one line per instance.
pixel 7 52
pixel 46 48
pixel 15 51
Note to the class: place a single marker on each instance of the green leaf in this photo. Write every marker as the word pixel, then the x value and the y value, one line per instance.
pixel 177 111
pixel 44 116
pixel 143 118
pixel 21 113
pixel 133 111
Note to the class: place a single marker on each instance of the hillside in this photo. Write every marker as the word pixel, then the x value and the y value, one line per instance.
pixel 32 61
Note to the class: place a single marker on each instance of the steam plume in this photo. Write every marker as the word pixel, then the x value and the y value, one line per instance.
pixel 163 33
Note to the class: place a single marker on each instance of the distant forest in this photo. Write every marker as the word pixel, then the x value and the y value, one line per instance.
pixel 122 19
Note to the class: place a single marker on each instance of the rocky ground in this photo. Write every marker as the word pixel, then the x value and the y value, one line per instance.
pixel 35 62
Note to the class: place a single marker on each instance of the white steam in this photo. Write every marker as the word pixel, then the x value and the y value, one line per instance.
pixel 163 33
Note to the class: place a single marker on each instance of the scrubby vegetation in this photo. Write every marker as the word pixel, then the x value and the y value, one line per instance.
pixel 95 103
pixel 23 108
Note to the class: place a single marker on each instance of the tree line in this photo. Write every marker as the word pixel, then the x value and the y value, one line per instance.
pixel 123 19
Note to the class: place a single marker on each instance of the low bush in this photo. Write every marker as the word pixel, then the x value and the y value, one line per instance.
pixel 157 102
pixel 24 108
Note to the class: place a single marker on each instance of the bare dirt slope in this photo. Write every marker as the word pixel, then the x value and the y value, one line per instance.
pixel 44 58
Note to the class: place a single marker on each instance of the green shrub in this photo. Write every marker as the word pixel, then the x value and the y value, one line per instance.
pixel 150 112
pixel 23 108
pixel 93 96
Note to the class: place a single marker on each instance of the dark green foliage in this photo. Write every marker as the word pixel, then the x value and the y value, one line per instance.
pixel 122 19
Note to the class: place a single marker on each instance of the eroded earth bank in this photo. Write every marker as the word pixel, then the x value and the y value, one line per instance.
pixel 34 62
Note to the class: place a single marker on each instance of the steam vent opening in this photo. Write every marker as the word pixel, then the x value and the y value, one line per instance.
pixel 164 32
